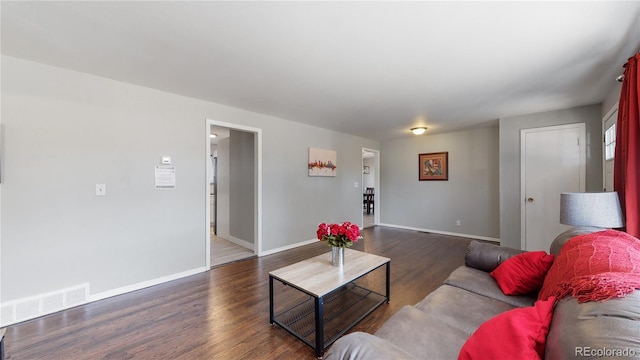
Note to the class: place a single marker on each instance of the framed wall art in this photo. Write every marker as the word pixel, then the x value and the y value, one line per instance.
pixel 433 166
pixel 322 162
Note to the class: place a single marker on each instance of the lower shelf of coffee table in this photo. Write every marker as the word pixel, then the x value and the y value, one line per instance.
pixel 343 309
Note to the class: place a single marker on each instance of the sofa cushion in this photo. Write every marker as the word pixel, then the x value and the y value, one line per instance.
pixel 516 334
pixel 422 335
pixel 447 303
pixel 582 330
pixel 480 282
pixel 523 274
pixel 360 345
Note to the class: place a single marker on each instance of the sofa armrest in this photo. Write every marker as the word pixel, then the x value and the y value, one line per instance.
pixel 361 345
pixel 2 331
pixel 487 257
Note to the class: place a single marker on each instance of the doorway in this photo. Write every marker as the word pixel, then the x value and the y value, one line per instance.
pixel 553 161
pixel 233 192
pixel 370 187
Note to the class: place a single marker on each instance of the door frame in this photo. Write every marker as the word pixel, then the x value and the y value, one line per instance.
pixel 583 166
pixel 257 240
pixel 606 117
pixel 376 184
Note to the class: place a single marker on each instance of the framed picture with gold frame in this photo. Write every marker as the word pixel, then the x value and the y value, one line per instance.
pixel 433 166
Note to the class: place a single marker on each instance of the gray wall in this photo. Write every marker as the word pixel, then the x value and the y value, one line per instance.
pixel 470 195
pixel 242 186
pixel 612 99
pixel 510 160
pixel 65 131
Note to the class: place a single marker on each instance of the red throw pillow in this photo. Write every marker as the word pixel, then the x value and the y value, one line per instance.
pixel 523 273
pixel 516 334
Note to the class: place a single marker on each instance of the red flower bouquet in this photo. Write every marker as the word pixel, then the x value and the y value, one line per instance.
pixel 340 235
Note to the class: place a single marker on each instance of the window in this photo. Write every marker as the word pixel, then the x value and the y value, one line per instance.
pixel 610 142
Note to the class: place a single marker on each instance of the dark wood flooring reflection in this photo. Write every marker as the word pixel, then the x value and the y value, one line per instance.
pixel 224 313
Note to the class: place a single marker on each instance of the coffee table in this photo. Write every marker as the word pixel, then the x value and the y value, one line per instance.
pixel 326 300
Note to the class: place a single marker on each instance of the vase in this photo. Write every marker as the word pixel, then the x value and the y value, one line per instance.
pixel 337 256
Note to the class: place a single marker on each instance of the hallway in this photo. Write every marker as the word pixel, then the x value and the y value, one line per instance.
pixel 225 252
pixel 367 220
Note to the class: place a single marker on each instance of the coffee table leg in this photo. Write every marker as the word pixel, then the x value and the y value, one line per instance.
pixel 388 281
pixel 270 300
pixel 319 327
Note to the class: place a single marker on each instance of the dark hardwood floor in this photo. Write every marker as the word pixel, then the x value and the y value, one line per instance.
pixel 224 313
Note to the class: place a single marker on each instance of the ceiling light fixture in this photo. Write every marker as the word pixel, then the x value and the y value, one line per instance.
pixel 418 130
pixel 213 136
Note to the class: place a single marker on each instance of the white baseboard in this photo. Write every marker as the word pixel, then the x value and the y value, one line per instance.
pixel 32 307
pixel 478 237
pixel 288 247
pixel 145 284
pixel 239 242
pixel 307 242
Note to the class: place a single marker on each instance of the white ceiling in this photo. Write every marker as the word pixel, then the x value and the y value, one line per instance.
pixel 220 132
pixel 372 69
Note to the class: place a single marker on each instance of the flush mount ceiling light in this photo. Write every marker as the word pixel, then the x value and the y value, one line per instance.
pixel 213 136
pixel 418 130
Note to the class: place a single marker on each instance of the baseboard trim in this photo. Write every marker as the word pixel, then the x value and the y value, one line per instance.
pixel 478 237
pixel 307 242
pixel 245 244
pixel 67 298
pixel 145 284
pixel 288 247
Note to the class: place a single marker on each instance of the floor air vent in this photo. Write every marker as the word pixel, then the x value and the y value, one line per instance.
pixel 28 308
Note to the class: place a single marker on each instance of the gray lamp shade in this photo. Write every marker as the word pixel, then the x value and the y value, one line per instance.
pixel 591 209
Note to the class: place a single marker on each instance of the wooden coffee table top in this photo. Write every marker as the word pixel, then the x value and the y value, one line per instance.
pixel 318 277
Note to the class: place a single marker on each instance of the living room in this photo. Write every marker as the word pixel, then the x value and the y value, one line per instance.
pixel 79 108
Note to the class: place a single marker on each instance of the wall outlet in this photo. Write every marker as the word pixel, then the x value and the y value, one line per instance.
pixel 458 222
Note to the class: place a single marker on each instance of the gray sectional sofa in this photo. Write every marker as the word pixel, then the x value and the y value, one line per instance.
pixel 438 326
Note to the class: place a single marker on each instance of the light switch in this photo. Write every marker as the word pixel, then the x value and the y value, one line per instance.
pixel 101 189
pixel 355 184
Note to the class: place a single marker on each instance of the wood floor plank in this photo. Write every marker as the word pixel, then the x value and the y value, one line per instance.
pixel 224 313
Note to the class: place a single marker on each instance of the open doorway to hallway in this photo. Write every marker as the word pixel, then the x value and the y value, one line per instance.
pixel 370 192
pixel 232 194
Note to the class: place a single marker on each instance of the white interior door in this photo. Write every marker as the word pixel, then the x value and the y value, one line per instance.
pixel 553 161
pixel 609 131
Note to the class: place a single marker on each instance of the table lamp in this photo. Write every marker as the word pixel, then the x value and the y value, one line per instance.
pixel 588 212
